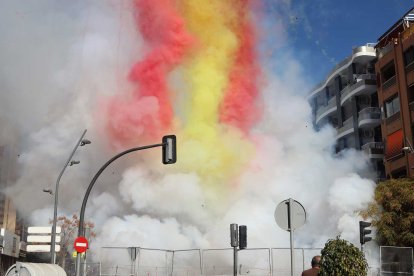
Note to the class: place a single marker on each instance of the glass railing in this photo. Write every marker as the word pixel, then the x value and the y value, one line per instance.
pixel 323 109
pixel 348 124
pixel 373 113
pixel 365 79
pixel 367 48
pixel 373 148
pixel 373 145
pixel 385 50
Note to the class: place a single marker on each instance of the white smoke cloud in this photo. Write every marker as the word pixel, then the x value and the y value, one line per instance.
pixel 61 58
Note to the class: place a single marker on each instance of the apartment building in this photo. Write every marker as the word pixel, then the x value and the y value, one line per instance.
pixel 12 246
pixel 395 85
pixel 347 99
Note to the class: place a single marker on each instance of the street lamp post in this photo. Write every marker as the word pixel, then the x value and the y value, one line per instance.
pixel 168 157
pixel 81 142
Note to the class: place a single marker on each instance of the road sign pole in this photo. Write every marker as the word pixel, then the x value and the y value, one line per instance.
pixel 80 245
pixel 78 265
pixel 292 248
pixel 290 215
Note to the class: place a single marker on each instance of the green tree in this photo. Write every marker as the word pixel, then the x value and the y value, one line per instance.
pixel 392 212
pixel 340 257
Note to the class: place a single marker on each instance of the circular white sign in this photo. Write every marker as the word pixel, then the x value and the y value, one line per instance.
pixel 282 215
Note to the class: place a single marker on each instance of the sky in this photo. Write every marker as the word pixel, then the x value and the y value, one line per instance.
pixel 230 79
pixel 324 32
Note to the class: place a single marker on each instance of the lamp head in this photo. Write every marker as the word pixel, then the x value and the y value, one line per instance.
pixel 49 191
pixel 85 142
pixel 407 149
pixel 74 163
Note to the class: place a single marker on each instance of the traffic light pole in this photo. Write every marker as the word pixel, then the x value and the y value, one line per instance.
pixel 235 261
pixel 234 242
pixel 169 157
pixel 238 240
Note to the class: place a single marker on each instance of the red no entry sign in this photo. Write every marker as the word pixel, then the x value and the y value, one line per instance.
pixel 80 244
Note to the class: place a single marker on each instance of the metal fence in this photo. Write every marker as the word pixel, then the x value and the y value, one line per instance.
pixel 136 261
pixel 208 262
pixel 396 261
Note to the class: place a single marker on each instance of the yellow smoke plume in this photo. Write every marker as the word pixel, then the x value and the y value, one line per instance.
pixel 216 152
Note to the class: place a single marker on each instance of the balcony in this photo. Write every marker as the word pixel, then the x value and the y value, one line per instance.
pixel 393 123
pixel 326 110
pixel 365 53
pixel 369 117
pixel 409 70
pixel 407 33
pixel 409 67
pixel 364 84
pixel 374 150
pixel 385 50
pixel 347 128
pixel 388 83
pixel 366 77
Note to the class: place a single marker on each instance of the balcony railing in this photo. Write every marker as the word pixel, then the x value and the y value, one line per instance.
pixel 373 148
pixel 367 113
pixel 347 125
pixel 369 49
pixel 409 67
pixel 394 117
pixel 407 32
pixel 389 82
pixel 323 109
pixel 384 50
pixel 365 79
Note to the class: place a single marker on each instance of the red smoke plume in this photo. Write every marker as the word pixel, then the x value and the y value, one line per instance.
pixel 239 107
pixel 148 113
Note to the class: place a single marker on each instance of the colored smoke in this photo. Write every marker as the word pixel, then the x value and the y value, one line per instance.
pixel 132 71
pixel 147 113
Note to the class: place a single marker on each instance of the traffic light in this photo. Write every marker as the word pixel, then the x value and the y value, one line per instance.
pixel 169 149
pixel 242 236
pixel 238 236
pixel 234 235
pixel 363 232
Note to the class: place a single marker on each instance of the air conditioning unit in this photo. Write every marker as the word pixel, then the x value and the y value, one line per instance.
pixel 11 243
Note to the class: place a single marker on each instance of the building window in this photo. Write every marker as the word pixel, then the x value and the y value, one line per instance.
pixel 394 144
pixel 388 71
pixel 409 56
pixel 378 80
pixel 411 94
pixel 392 106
